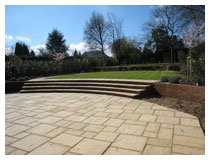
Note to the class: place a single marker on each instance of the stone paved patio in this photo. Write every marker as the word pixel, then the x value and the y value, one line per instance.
pixel 72 123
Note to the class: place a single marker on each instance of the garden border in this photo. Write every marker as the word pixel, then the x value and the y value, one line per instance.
pixel 181 91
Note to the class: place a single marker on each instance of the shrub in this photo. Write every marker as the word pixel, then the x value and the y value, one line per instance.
pixel 15 67
pixel 21 79
pixel 174 79
pixel 13 79
pixel 111 61
pixel 164 79
pixel 26 78
pixel 182 56
pixel 198 63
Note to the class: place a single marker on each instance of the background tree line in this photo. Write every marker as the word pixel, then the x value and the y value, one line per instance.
pixel 164 41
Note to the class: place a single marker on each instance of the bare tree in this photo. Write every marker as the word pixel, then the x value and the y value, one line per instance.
pixel 116 25
pixel 166 18
pixel 115 30
pixel 96 32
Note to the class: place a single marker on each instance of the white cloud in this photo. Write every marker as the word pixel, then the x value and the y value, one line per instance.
pixel 9 37
pixel 82 47
pixel 9 50
pixel 22 38
pixel 37 47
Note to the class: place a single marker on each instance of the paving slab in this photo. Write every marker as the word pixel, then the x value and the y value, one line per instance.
pixel 90 147
pixel 156 150
pixel 130 142
pixel 42 129
pixel 50 149
pixel 67 140
pixel 106 136
pixel 30 142
pixel 131 129
pixel 119 151
pixel 78 124
pixel 15 129
pixel 95 120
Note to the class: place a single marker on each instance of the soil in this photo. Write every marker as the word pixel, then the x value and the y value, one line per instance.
pixel 193 108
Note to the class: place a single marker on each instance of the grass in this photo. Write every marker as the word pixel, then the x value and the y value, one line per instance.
pixel 144 75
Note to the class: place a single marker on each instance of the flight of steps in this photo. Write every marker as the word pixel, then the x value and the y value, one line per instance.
pixel 125 88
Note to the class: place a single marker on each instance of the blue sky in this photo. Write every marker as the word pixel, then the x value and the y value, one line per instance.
pixel 31 24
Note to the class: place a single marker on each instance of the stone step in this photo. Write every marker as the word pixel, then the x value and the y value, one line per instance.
pixel 116 89
pixel 122 94
pixel 134 86
pixel 118 81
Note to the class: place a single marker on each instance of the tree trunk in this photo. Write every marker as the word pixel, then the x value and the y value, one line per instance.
pixel 171 55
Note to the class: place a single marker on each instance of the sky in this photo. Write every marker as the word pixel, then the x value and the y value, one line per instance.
pixel 32 24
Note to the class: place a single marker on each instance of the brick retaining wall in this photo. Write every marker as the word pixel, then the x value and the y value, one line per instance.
pixel 181 91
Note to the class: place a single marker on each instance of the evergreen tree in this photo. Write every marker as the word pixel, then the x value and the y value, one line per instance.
pixel 56 43
pixel 21 49
pixel 32 53
pixel 75 54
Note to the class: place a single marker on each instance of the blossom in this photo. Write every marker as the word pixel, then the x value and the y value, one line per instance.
pixel 59 56
pixel 194 34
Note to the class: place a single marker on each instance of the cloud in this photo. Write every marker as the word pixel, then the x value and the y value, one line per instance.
pixel 9 50
pixel 22 38
pixel 9 37
pixel 82 47
pixel 37 47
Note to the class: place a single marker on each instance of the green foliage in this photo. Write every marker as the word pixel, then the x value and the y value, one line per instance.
pixel 56 42
pixel 182 56
pixel 198 63
pixel 21 49
pixel 174 79
pixel 126 52
pixel 13 79
pixel 171 79
pixel 16 68
pixel 111 61
pixel 164 79
pixel 32 53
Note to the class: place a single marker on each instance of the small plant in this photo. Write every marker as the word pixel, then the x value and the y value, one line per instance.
pixel 21 79
pixel 164 78
pixel 13 79
pixel 174 79
pixel 26 78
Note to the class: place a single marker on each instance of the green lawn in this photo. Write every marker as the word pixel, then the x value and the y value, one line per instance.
pixel 145 75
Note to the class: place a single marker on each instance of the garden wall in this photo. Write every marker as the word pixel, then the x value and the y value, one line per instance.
pixel 181 91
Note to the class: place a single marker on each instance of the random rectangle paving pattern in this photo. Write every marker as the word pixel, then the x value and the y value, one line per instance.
pixel 76 123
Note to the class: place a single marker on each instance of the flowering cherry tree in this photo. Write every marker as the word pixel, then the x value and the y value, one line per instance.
pixel 59 56
pixel 192 37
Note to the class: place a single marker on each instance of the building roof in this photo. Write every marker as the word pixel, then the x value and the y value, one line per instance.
pixel 94 54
